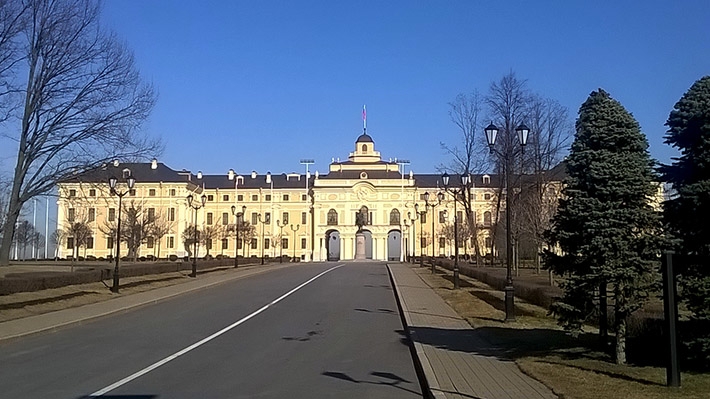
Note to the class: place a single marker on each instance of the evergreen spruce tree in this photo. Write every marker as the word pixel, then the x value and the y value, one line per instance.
pixel 688 214
pixel 606 227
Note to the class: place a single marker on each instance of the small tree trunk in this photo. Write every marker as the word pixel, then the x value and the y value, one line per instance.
pixel 537 258
pixel 603 314
pixel 620 338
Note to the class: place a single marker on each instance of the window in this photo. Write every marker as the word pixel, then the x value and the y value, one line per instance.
pixel 111 214
pixel 284 243
pixel 225 218
pixel 151 192
pixel 109 242
pixel 423 243
pixel 459 216
pixel 304 218
pixel 364 148
pixel 487 196
pixel 254 218
pixel 304 197
pixel 210 198
pixel 486 179
pixel 70 242
pixel 71 214
pixel 171 242
pixel 442 216
pixel 332 217
pixel 284 218
pixel 423 218
pixel 442 243
pixel 421 197
pixel 285 197
pixel 303 243
pixel 489 242
pixel 172 192
pixel 267 217
pixel 171 214
pixel 92 193
pixel 92 214
pixel 225 244
pixel 267 243
pixel 209 243
pixel 150 243
pixel 151 214
pixel 255 197
pixel 126 173
pixel 132 192
pixel 72 193
pixel 225 198
pixel 240 197
pixel 267 197
pixel 486 218
pixel 209 218
pixel 90 243
pixel 239 243
pixel 253 243
pixel 394 217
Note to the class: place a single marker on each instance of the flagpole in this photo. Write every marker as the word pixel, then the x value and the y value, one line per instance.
pixel 364 119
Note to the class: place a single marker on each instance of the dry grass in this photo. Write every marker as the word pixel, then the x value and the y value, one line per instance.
pixel 571 367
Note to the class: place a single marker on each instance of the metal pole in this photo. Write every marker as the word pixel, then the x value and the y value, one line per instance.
pixel 114 288
pixel 509 290
pixel 263 239
pixel 421 250
pixel 670 307
pixel 433 241
pixel 236 244
pixel 456 247
pixel 46 229
pixel 194 255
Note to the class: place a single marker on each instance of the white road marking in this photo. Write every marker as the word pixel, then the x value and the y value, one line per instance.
pixel 197 344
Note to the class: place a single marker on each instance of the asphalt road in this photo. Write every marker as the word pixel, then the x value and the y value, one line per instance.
pixel 310 331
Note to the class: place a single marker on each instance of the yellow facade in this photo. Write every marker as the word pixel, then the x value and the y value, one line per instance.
pixel 363 180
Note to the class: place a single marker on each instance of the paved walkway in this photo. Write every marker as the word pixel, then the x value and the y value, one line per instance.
pixel 449 350
pixel 53 320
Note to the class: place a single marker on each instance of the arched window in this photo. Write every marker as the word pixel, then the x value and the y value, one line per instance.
pixel 394 217
pixel 364 148
pixel 486 218
pixel 332 217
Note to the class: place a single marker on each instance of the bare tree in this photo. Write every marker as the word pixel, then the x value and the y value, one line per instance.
pixel 80 103
pixel 80 232
pixel 24 234
pixel 136 226
pixel 161 226
pixel 247 232
pixel 190 236
pixel 471 156
pixel 209 234
pixel 57 239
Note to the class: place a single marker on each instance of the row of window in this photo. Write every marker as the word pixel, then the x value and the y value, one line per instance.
pixel 150 243
pixel 332 219
pixel 91 214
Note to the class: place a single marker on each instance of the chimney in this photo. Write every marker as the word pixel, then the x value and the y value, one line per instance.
pixel 115 163
pixel 253 174
pixel 316 174
pixel 230 174
pixel 411 175
pixel 199 175
pixel 154 164
pixel 268 177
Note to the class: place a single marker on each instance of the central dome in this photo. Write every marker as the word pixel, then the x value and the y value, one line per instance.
pixel 364 138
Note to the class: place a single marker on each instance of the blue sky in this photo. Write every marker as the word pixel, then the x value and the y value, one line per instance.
pixel 258 85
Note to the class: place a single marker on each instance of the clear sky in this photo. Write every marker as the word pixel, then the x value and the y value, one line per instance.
pixel 258 85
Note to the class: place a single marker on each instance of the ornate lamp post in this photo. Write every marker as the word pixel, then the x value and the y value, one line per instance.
pixel 264 221
pixel 203 200
pixel 112 181
pixel 295 229
pixel 281 244
pixel 456 192
pixel 236 234
pixel 420 216
pixel 439 197
pixel 522 132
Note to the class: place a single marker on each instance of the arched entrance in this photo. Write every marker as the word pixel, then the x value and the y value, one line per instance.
pixel 332 245
pixel 368 244
pixel 394 245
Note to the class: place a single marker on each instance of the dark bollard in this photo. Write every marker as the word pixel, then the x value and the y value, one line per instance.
pixel 670 307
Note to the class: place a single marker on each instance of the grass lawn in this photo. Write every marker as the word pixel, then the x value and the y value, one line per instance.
pixel 572 367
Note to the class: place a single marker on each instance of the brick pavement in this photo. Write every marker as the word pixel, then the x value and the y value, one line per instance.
pixel 450 350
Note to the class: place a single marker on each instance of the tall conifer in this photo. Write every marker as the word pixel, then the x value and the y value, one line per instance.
pixel 606 226
pixel 687 214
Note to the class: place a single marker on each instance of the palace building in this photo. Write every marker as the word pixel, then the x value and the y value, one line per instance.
pixel 311 217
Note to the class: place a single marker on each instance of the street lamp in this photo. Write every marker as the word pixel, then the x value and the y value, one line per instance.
pixel 236 239
pixel 281 244
pixel 295 229
pixel 203 200
pixel 439 197
pixel 264 221
pixel 112 181
pixel 522 132
pixel 456 192
pixel 420 216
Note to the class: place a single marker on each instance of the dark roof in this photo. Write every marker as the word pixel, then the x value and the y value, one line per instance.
pixel 142 172
pixel 355 174
pixel 364 138
pixel 435 181
pixel 278 181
